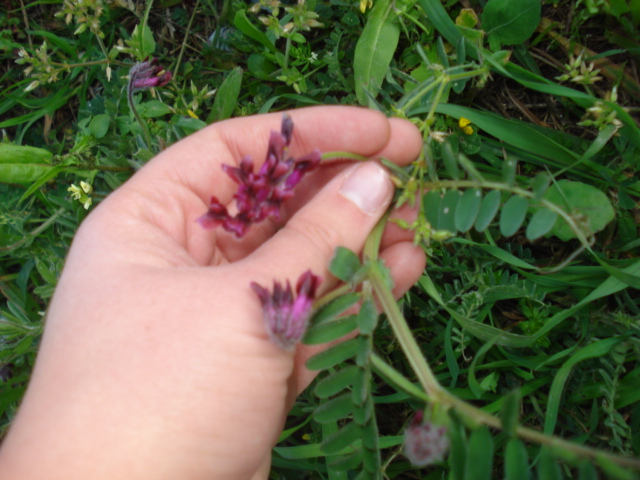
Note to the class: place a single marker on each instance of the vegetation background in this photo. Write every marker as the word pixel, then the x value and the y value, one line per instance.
pixel 529 308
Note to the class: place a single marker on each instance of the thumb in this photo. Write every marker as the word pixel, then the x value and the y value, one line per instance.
pixel 343 214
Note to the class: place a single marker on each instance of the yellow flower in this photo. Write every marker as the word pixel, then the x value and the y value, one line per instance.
pixel 192 114
pixel 465 125
pixel 364 4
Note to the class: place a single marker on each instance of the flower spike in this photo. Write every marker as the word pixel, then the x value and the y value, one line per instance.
pixel 287 318
pixel 148 74
pixel 424 442
pixel 260 195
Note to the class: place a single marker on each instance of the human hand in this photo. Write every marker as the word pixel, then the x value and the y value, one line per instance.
pixel 155 362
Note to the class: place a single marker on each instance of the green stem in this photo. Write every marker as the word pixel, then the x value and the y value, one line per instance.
pixel 331 156
pixel 142 123
pixel 416 22
pixel 285 64
pixel 103 48
pixel 184 42
pixel 403 333
pixel 396 319
pixel 81 64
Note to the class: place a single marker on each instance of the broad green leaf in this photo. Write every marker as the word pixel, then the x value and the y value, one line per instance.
pixel 431 205
pixel 541 223
pixel 513 213
pixel 539 185
pixel 147 43
pixel 467 210
pixel 190 125
pixel 243 24
pixel 334 409
pixel 375 49
pixel 341 439
pixel 153 108
pixel 335 308
pixel 23 164
pixel 22 154
pixel 516 461
pixel 330 331
pixel 450 159
pixel 262 68
pixel 333 356
pixel 467 18
pixel 510 22
pixel 479 455
pixel 446 217
pixel 336 382
pixel 226 97
pixel 99 125
pixel 580 199
pixel 488 209
pixel 344 264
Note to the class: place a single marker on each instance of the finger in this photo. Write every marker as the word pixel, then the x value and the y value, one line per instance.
pixel 406 262
pixel 341 214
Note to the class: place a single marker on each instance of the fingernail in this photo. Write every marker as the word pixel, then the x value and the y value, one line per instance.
pixel 368 187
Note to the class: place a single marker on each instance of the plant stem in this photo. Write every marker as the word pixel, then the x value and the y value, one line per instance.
pixel 285 64
pixel 143 125
pixel 184 42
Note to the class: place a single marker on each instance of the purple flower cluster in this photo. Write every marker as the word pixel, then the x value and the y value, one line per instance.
pixel 424 442
pixel 148 74
pixel 260 195
pixel 287 318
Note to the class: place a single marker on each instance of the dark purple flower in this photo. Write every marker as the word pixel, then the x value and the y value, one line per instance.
pixel 148 74
pixel 260 195
pixel 424 442
pixel 286 317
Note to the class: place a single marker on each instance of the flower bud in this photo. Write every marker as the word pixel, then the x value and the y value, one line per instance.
pixel 424 442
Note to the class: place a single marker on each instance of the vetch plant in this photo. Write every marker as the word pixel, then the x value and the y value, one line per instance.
pixel 347 390
pixel 528 212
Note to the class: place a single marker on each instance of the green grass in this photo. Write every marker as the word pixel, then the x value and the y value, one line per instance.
pixel 528 313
